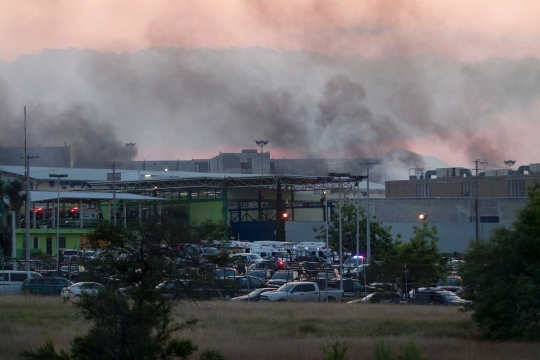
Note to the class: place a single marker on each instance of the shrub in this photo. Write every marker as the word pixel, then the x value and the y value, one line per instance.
pixel 335 351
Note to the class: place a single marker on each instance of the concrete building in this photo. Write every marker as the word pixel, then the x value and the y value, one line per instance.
pixel 59 156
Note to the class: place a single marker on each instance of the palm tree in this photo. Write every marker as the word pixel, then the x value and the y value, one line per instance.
pixel 14 192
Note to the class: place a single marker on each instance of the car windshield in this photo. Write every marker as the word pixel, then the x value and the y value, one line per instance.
pixel 254 257
pixel 210 251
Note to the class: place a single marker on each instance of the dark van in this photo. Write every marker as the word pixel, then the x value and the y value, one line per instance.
pixel 45 286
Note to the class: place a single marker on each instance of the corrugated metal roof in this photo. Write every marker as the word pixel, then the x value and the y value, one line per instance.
pixel 40 196
pixel 79 174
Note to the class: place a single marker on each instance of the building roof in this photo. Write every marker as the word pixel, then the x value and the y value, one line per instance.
pixel 90 175
pixel 40 196
pixel 137 180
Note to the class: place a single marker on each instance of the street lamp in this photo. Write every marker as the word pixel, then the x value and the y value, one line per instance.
pixel 339 176
pixel 130 145
pixel 262 143
pixel 58 177
pixel 422 217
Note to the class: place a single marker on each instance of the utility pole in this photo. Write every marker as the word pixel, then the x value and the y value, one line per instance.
pixel 368 221
pixel 477 162
pixel 114 165
pixel 339 176
pixel 28 198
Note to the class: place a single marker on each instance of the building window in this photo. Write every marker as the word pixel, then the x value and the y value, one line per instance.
pixel 62 242
pixel 516 188
pixel 36 242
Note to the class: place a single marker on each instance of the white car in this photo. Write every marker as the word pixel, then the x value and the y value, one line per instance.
pixel 247 258
pixel 79 288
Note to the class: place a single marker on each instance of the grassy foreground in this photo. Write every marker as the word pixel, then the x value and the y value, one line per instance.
pixel 276 331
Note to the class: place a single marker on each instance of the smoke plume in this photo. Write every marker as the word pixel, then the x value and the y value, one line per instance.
pixel 305 103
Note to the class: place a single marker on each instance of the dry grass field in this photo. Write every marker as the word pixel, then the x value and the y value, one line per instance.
pixel 277 331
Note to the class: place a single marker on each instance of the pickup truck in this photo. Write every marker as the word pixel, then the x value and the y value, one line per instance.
pixel 303 291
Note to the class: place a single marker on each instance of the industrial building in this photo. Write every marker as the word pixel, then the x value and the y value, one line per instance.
pixel 241 188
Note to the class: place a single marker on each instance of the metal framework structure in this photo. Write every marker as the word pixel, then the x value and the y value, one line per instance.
pixel 269 182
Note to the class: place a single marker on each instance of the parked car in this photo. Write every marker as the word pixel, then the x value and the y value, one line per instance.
pixel 44 286
pixel 11 280
pixel 353 288
pixel 380 298
pixel 70 255
pixel 206 252
pixel 433 296
pixel 80 288
pixel 303 291
pixel 246 258
pixel 264 275
pixel 282 277
pixel 245 284
pixel 86 255
pixel 255 295
pixel 184 289
pixel 223 273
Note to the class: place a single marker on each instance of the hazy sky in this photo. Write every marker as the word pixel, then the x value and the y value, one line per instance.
pixel 449 31
pixel 461 29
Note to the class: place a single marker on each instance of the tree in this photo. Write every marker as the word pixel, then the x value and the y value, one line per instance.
pixel 13 191
pixel 503 277
pixel 135 323
pixel 381 239
pixel 421 255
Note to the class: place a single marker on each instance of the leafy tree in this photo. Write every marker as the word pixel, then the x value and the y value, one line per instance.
pixel 135 323
pixel 381 239
pixel 503 277
pixel 425 263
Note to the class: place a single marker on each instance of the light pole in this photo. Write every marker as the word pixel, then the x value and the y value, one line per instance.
pixel 368 221
pixel 58 177
pixel 262 143
pixel 357 180
pixel 422 217
pixel 326 218
pixel 130 145
pixel 339 176
pixel 364 269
